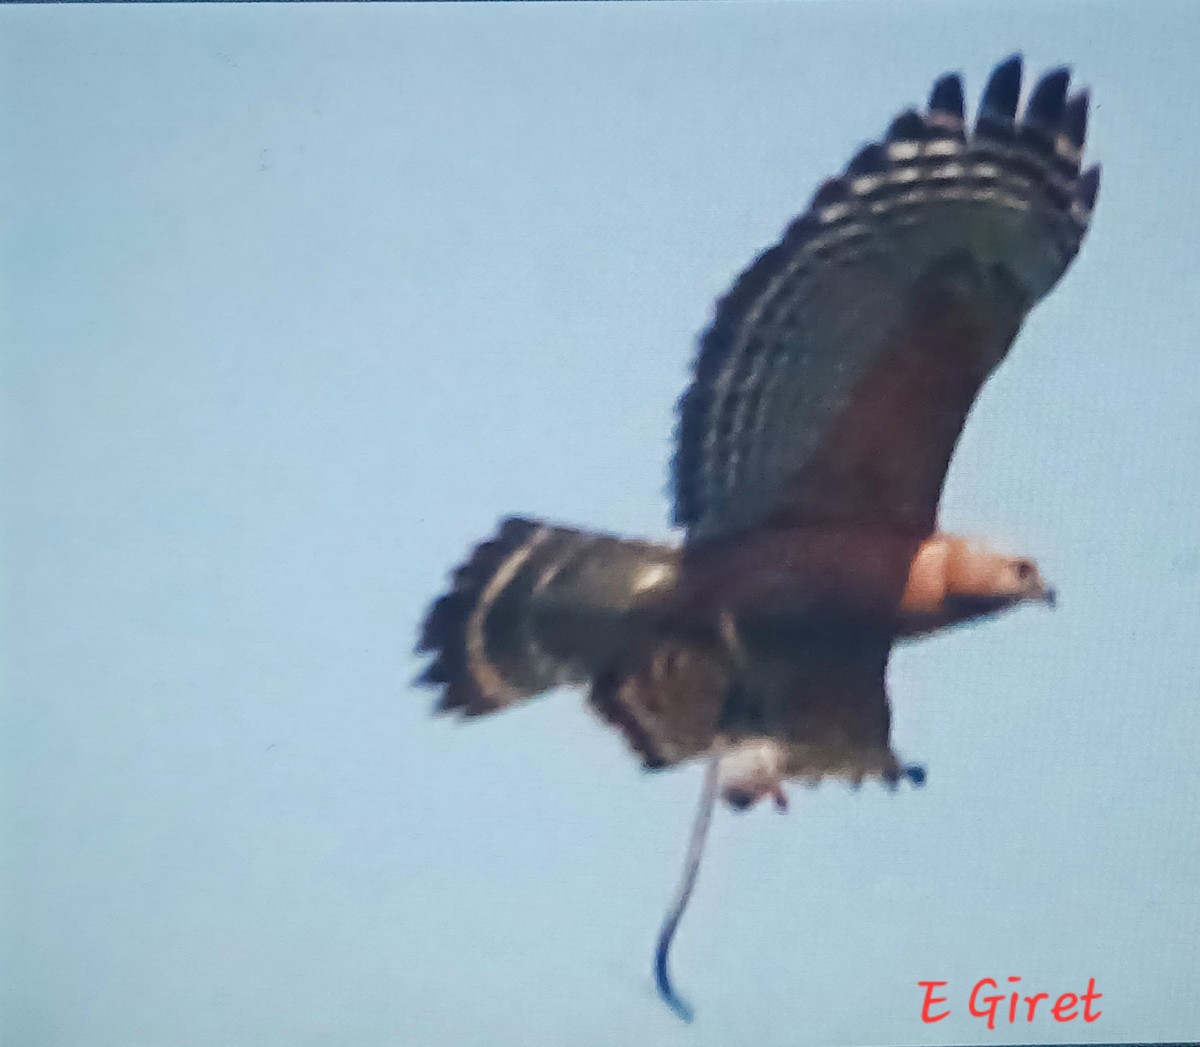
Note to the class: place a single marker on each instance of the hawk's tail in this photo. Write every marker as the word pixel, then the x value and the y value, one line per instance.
pixel 534 607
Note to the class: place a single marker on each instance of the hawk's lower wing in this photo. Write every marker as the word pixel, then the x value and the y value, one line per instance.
pixel 666 697
pixel 812 702
pixel 837 374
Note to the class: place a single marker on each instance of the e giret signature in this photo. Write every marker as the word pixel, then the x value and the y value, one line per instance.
pixel 988 1003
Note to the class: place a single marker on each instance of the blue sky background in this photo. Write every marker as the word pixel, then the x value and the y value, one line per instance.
pixel 297 301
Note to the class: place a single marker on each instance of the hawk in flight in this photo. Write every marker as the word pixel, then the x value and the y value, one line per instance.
pixel 813 443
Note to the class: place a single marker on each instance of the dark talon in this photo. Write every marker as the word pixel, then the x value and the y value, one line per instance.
pixel 739 798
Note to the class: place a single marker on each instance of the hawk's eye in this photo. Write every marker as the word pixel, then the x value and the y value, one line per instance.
pixel 1024 570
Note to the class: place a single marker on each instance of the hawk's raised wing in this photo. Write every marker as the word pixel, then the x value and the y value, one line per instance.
pixel 836 377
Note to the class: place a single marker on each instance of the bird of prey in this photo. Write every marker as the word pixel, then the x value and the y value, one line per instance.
pixel 828 395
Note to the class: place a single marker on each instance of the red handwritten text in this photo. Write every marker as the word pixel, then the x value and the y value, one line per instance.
pixel 987 1002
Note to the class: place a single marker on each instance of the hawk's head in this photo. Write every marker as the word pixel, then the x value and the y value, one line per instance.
pixel 954 579
pixel 993 579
